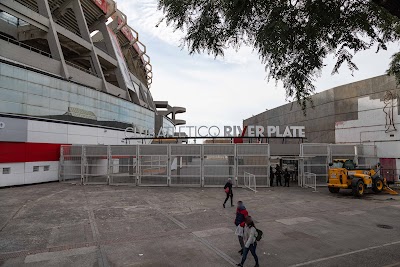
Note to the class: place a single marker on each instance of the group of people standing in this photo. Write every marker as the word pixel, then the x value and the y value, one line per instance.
pixel 245 228
pixel 278 174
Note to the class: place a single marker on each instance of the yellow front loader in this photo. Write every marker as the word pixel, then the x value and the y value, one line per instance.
pixel 344 174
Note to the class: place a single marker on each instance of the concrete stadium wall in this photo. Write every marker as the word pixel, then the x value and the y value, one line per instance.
pixel 332 106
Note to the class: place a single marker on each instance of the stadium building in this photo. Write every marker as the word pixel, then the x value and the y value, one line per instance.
pixel 71 72
pixel 364 112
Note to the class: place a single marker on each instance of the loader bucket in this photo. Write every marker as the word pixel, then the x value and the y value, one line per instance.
pixel 389 190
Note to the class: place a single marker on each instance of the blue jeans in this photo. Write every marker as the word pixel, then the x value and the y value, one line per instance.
pixel 252 249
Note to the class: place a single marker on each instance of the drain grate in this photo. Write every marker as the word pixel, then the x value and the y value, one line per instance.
pixel 384 226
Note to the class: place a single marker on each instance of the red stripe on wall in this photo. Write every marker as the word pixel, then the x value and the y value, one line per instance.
pixel 28 152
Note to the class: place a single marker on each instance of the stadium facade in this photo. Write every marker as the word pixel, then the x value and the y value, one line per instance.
pixel 71 72
pixel 364 112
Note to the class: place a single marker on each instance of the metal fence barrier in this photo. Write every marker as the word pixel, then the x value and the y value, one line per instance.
pixel 218 164
pixel 249 181
pixel 154 165
pixel 186 165
pixel 71 167
pixel 310 180
pixel 199 165
pixel 254 159
pixel 124 165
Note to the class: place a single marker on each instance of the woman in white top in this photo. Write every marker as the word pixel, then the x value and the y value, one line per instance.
pixel 249 238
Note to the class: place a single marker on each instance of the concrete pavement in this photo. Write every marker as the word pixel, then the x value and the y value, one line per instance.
pixel 57 224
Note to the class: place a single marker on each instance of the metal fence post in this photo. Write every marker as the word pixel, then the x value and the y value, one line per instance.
pixel 235 165
pixel 300 170
pixel 83 159
pixel 109 164
pixel 356 154
pixel 169 163
pixel 138 169
pixel 202 166
pixel 315 183
pixel 268 166
pixel 329 159
pixel 60 163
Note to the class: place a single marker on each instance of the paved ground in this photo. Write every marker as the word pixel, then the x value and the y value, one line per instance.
pixel 70 225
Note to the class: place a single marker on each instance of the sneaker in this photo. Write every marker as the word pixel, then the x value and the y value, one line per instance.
pixel 240 252
pixel 232 205
pixel 223 205
pixel 239 264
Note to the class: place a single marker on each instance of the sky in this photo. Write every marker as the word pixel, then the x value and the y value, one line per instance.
pixel 224 91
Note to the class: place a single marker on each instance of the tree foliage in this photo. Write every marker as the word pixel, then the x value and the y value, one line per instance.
pixel 292 37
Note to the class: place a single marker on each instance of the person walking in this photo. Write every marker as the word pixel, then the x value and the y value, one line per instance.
pixel 278 174
pixel 228 191
pixel 271 176
pixel 286 176
pixel 241 215
pixel 249 236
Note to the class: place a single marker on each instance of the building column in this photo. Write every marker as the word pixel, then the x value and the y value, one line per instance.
pixel 52 37
pixel 85 34
pixel 102 27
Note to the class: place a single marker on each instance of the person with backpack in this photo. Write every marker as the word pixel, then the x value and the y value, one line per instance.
pixel 251 236
pixel 228 191
pixel 241 215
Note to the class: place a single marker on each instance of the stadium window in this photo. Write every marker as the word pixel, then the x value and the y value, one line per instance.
pixel 46 168
pixel 35 168
pixel 6 170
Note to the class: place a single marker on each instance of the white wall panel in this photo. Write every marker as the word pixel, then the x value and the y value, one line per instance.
pixel 16 176
pixel 370 128
pixel 82 130
pixel 82 139
pixel 43 137
pixel 32 177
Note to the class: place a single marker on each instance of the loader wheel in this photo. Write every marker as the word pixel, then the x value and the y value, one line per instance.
pixel 334 190
pixel 377 186
pixel 358 188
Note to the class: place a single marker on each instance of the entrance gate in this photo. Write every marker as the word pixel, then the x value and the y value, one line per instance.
pixel 197 164
pixel 165 164
pixel 186 165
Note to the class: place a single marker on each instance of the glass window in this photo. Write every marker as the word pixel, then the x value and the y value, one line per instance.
pixel 6 170
pixel 349 165
pixel 337 164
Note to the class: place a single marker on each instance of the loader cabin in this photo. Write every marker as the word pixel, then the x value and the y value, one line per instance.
pixel 343 163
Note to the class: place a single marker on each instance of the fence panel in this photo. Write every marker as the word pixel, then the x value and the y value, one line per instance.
pixel 254 159
pixel 70 168
pixel 310 180
pixel 186 165
pixel 343 151
pixel 95 164
pixel 314 159
pixel 218 164
pixel 366 156
pixel 124 165
pixel 154 165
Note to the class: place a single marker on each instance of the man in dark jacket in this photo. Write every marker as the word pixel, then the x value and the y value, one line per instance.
pixel 228 191
pixel 241 215
pixel 286 176
pixel 278 174
pixel 271 176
